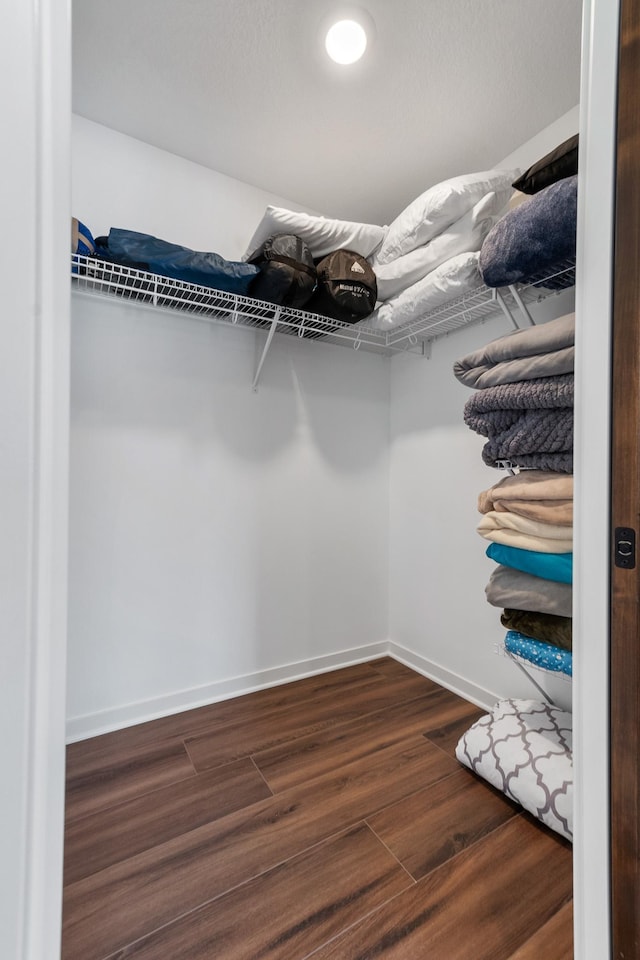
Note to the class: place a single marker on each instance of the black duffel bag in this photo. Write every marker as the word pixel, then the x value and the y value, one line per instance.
pixel 287 273
pixel 347 289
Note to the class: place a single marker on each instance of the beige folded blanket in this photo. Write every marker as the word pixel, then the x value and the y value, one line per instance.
pixel 539 494
pixel 525 533
pixel 547 511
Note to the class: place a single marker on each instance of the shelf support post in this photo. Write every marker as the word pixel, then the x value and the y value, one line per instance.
pixel 505 309
pixel 265 350
pixel 518 299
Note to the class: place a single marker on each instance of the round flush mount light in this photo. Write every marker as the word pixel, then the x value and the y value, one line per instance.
pixel 343 34
pixel 346 41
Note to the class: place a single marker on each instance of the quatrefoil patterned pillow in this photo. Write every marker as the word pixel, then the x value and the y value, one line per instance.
pixel 524 749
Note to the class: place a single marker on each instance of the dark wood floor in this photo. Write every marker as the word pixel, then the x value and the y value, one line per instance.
pixel 326 818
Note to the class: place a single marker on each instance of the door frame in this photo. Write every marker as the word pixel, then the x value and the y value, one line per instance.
pixel 625 503
pixel 34 385
pixel 36 66
pixel 592 916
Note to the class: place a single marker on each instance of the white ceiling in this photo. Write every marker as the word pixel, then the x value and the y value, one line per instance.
pixel 242 86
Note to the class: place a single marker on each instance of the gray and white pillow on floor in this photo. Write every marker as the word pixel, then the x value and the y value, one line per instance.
pixel 524 748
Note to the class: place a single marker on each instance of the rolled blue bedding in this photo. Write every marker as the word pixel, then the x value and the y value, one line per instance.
pixel 145 252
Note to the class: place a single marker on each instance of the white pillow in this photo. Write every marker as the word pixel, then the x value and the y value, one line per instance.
pixel 440 206
pixel 463 236
pixel 524 749
pixel 450 280
pixel 321 234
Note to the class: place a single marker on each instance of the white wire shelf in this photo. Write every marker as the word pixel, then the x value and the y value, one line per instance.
pixel 99 277
pixel 531 669
pixel 483 302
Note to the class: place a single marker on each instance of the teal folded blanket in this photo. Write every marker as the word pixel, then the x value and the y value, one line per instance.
pixel 543 655
pixel 549 566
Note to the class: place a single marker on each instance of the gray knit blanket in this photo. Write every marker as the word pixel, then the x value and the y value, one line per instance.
pixel 529 422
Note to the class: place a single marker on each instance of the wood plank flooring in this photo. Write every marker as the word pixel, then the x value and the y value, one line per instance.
pixel 325 818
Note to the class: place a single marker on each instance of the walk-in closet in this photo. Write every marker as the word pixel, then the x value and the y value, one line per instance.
pixel 315 477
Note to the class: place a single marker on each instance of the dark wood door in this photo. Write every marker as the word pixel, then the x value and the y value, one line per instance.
pixel 625 504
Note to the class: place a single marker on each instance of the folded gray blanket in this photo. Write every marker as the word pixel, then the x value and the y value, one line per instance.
pixel 533 238
pixel 541 351
pixel 529 422
pixel 515 589
pixel 545 393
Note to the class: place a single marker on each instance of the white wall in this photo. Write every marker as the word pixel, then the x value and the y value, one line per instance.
pixel 557 132
pixel 438 568
pixel 119 181
pixel 219 538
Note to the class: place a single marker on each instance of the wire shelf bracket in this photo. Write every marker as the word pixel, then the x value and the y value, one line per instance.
pixel 527 668
pixel 265 350
pixel 531 679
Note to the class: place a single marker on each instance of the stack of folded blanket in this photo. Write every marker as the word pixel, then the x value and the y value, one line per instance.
pixel 528 518
pixel 523 405
pixel 524 401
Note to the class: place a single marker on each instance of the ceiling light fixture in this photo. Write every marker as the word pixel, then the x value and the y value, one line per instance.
pixel 346 41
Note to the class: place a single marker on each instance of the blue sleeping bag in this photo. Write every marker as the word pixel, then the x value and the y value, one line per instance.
pixel 533 239
pixel 144 252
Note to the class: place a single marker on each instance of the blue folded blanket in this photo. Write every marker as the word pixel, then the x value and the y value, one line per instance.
pixel 541 654
pixel 533 238
pixel 144 252
pixel 548 566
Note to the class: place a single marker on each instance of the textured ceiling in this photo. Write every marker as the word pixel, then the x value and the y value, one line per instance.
pixel 242 86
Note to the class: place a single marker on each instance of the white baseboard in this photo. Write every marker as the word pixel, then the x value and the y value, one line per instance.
pixel 446 678
pixel 104 721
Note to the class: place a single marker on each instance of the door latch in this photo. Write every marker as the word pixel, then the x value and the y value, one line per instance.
pixel 625 547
